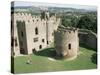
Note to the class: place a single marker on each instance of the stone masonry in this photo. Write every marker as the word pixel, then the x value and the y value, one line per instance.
pixel 32 33
pixel 66 42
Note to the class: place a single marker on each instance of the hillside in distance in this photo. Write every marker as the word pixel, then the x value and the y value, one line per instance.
pixel 38 9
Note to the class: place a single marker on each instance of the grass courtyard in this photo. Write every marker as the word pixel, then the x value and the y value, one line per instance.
pixel 44 61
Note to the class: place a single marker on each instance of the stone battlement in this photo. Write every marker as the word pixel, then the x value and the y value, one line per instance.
pixel 63 29
pixel 33 18
pixel 21 14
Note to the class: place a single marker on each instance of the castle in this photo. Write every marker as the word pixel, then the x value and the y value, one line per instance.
pixel 31 33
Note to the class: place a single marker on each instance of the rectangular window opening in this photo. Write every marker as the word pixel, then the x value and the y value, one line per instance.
pixel 35 39
pixel 69 46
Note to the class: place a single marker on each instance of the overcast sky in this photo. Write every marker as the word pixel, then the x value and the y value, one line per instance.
pixel 22 3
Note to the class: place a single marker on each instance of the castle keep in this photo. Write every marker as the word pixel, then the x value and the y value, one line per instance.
pixel 32 33
pixel 66 42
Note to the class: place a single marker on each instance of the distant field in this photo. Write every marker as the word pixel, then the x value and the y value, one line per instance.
pixel 42 62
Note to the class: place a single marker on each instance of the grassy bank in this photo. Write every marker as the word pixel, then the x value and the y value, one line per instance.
pixel 42 63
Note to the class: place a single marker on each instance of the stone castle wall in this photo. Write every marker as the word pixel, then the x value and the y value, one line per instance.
pixel 88 38
pixel 14 37
pixel 26 24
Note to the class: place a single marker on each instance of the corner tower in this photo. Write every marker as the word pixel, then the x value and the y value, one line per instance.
pixel 66 42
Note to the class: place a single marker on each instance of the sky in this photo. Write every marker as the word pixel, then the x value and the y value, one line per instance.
pixel 22 3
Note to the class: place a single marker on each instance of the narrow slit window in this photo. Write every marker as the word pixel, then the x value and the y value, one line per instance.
pixel 36 30
pixel 22 33
pixel 16 42
pixel 69 46
pixel 47 42
pixel 40 47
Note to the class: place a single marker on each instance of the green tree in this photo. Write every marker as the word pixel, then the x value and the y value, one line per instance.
pixel 87 22
pixel 70 21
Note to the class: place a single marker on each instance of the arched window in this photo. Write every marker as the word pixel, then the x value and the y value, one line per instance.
pixel 36 30
pixel 43 40
pixel 47 42
pixel 40 47
pixel 69 46
pixel 34 50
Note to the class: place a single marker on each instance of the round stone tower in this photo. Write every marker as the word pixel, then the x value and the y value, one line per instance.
pixel 66 42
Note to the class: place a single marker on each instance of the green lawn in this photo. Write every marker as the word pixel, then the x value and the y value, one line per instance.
pixel 41 63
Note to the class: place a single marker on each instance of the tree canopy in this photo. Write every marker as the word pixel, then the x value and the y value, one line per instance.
pixel 87 21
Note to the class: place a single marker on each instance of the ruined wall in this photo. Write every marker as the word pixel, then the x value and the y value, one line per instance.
pixel 88 38
pixel 66 42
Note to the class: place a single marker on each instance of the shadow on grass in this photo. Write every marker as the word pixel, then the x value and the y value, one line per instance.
pixel 51 52
pixel 48 52
pixel 94 58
